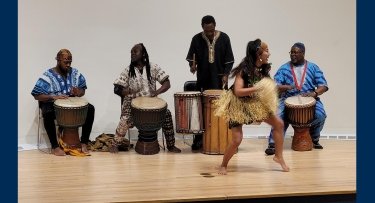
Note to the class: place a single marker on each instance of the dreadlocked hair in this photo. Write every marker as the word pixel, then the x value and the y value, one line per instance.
pixel 145 59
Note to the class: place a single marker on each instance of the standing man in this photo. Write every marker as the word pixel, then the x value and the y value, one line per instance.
pixel 300 77
pixel 61 82
pixel 210 55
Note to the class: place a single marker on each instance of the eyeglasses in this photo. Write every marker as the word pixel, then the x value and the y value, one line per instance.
pixel 65 61
pixel 295 52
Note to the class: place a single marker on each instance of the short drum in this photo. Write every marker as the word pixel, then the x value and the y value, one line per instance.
pixel 300 112
pixel 148 114
pixel 71 112
pixel 188 112
pixel 70 115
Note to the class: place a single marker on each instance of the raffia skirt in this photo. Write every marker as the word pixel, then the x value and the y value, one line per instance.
pixel 246 110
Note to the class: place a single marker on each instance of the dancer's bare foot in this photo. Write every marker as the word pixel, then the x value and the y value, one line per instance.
pixel 58 152
pixel 282 163
pixel 222 170
pixel 84 148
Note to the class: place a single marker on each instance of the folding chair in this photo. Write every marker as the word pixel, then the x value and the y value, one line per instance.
pixel 47 150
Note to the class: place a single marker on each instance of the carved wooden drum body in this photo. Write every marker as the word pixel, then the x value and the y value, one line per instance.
pixel 71 114
pixel 217 135
pixel 148 115
pixel 300 112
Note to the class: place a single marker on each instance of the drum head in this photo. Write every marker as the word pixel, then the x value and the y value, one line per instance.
pixel 148 103
pixel 71 102
pixel 213 92
pixel 300 101
pixel 188 93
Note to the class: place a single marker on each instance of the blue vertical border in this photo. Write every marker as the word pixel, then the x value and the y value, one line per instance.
pixel 9 102
pixel 365 102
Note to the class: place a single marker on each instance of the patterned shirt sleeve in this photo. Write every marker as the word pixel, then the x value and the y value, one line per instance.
pixel 123 78
pixel 160 75
pixel 41 87
pixel 82 82
pixel 79 79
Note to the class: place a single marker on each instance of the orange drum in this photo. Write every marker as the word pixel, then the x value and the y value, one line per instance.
pixel 217 135
pixel 188 112
pixel 70 114
pixel 300 112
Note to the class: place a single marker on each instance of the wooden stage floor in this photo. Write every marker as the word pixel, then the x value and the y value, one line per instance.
pixel 187 177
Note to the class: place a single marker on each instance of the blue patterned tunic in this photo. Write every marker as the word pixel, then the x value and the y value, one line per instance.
pixel 52 83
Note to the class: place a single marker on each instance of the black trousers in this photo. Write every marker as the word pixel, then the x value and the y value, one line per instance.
pixel 49 117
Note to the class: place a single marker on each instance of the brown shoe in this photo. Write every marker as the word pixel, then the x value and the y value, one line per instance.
pixel 174 149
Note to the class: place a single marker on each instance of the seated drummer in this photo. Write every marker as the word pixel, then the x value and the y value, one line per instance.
pixel 61 82
pixel 295 77
pixel 136 80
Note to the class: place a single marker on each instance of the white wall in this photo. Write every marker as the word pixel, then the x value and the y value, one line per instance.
pixel 100 34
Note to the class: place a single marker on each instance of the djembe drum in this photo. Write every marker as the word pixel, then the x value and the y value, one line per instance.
pixel 188 112
pixel 71 114
pixel 148 115
pixel 217 135
pixel 300 112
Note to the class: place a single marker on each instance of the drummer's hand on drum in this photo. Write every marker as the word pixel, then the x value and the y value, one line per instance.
pixel 128 93
pixel 283 88
pixel 63 96
pixel 77 92
pixel 153 93
pixel 309 94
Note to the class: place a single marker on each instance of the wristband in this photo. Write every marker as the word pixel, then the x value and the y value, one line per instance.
pixel 316 93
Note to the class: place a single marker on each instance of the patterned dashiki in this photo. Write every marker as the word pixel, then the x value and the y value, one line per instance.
pixel 140 83
pixel 52 83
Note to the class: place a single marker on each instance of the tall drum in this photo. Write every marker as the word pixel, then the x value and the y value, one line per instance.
pixel 217 135
pixel 148 115
pixel 188 112
pixel 300 112
pixel 70 114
